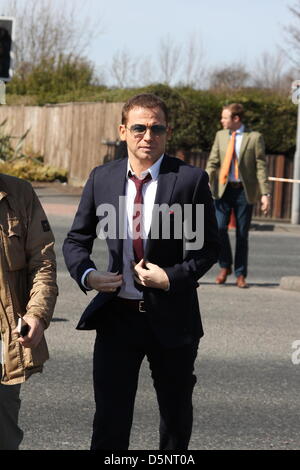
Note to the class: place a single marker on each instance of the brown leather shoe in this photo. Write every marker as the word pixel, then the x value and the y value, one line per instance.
pixel 241 282
pixel 222 276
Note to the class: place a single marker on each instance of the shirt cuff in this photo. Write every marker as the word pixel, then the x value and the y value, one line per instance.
pixel 83 278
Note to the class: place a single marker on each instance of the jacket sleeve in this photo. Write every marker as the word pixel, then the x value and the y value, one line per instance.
pixel 41 263
pixel 213 162
pixel 261 165
pixel 78 245
pixel 213 166
pixel 197 262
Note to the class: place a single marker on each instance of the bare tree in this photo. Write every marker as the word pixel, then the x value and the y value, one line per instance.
pixel 48 29
pixel 232 76
pixel 271 72
pixel 146 71
pixel 169 60
pixel 193 65
pixel 292 31
pixel 123 69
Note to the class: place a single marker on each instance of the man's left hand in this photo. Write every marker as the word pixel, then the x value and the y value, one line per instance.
pixel 265 204
pixel 35 333
pixel 150 275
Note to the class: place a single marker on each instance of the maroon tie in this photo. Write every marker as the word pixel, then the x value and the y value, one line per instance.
pixel 138 248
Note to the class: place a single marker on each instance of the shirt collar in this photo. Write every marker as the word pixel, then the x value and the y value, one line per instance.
pixel 153 170
pixel 241 129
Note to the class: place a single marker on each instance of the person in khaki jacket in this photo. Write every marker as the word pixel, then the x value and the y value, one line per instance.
pixel 28 294
pixel 238 177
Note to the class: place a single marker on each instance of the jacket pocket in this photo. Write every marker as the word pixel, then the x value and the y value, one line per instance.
pixel 37 356
pixel 14 244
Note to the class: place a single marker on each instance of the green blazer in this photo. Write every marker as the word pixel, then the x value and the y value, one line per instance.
pixel 252 165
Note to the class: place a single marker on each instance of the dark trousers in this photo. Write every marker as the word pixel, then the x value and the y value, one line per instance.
pixel 122 342
pixel 10 433
pixel 234 198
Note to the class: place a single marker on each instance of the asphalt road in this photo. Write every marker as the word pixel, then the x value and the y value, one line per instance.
pixel 247 395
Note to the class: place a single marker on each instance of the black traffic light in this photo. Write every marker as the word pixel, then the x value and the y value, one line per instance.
pixel 6 41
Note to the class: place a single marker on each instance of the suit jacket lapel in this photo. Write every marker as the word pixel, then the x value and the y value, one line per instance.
pixel 225 139
pixel 245 141
pixel 166 181
pixel 117 185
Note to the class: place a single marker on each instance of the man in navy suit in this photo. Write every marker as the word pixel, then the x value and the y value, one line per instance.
pixel 157 216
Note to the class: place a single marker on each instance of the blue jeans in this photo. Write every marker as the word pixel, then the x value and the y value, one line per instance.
pixel 234 198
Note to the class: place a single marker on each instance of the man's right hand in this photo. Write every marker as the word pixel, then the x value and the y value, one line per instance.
pixel 104 282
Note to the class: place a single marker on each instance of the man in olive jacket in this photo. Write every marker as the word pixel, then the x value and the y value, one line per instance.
pixel 238 178
pixel 28 293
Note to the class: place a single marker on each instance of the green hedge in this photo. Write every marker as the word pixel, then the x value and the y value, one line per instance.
pixel 195 117
pixel 195 114
pixel 30 170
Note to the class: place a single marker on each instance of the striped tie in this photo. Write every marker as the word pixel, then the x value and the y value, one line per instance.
pixel 138 247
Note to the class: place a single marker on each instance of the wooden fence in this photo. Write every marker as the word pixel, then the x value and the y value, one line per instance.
pixel 79 136
pixel 69 136
pixel 279 166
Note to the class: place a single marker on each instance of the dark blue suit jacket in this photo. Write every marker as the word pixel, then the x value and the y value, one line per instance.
pixel 174 315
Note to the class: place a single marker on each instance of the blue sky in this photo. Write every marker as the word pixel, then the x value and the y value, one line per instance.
pixel 235 31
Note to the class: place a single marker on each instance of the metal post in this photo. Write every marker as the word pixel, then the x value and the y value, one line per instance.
pixel 2 92
pixel 295 219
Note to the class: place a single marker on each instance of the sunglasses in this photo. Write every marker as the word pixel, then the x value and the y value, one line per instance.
pixel 138 130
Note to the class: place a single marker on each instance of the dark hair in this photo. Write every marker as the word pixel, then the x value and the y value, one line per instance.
pixel 144 100
pixel 236 109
